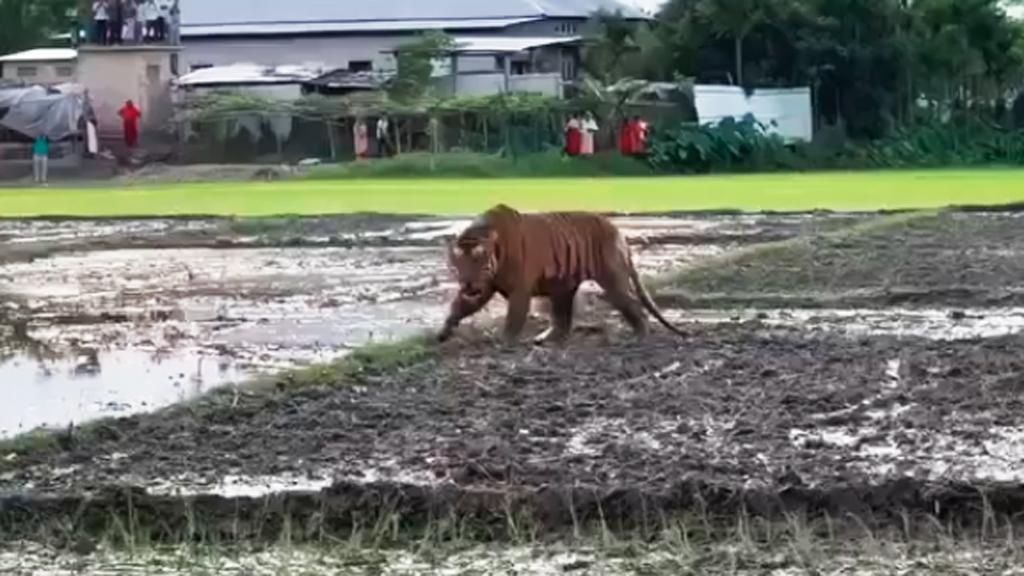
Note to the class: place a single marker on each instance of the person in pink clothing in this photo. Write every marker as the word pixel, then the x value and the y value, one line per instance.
pixel 362 139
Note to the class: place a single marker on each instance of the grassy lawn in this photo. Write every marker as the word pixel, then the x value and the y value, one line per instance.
pixel 782 192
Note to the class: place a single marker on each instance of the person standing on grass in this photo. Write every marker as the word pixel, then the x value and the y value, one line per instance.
pixel 361 136
pixel 101 17
pixel 40 159
pixel 573 135
pixel 589 129
pixel 130 115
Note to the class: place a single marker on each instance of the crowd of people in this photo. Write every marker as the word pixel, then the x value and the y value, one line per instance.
pixel 132 21
pixel 580 132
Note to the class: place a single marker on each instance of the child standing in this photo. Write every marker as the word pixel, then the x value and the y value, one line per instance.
pixel 40 159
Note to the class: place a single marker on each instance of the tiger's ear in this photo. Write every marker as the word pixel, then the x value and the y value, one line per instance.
pixel 493 236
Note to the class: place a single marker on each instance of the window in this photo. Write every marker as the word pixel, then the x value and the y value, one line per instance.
pixel 568 67
pixel 360 66
pixel 65 71
pixel 566 28
pixel 27 71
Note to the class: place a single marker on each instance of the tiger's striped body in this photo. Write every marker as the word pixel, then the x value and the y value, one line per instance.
pixel 522 256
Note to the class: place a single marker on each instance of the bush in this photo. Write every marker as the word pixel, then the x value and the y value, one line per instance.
pixel 729 146
pixel 964 141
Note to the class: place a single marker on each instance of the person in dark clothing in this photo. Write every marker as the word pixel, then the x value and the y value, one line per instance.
pixel 117 13
pixel 101 16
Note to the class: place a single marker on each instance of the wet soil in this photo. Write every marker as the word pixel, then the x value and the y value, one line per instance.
pixel 950 259
pixel 871 412
pixel 113 317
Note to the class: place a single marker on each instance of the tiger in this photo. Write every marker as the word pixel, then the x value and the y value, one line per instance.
pixel 522 256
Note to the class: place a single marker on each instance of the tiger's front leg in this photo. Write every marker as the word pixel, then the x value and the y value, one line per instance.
pixel 463 307
pixel 518 311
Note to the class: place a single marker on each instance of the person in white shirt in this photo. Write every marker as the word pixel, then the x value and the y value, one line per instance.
pixel 589 128
pixel 163 19
pixel 101 16
pixel 148 13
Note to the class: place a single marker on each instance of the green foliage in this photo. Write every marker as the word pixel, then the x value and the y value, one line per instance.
pixel 618 49
pixel 729 145
pixel 416 65
pixel 867 61
pixel 967 141
pixel 26 24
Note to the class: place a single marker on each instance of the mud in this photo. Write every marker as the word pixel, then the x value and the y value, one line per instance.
pixel 953 259
pixel 123 316
pixel 882 413
pixel 744 416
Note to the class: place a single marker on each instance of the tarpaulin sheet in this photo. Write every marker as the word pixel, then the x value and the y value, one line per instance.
pixel 35 111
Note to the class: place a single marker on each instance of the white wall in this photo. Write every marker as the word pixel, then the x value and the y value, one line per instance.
pixel 488 84
pixel 788 108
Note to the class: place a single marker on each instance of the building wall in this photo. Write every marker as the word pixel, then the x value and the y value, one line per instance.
pixel 329 51
pixel 337 51
pixel 41 72
pixel 114 75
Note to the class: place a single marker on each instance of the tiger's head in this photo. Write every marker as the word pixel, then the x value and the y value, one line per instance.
pixel 473 260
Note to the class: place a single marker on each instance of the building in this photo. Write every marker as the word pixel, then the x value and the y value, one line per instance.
pixel 40 66
pixel 363 36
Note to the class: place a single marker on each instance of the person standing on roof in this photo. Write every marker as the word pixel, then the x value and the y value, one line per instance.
pixel 115 9
pixel 130 115
pixel 101 17
pixel 163 19
pixel 148 14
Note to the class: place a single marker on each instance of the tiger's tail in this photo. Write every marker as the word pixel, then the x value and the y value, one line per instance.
pixel 648 302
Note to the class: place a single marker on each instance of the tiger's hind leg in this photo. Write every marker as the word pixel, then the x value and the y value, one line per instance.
pixel 562 309
pixel 619 291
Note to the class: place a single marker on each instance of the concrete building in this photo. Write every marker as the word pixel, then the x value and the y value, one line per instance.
pixel 362 36
pixel 40 66
pixel 141 73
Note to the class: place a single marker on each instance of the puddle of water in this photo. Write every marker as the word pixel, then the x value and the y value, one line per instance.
pixel 54 393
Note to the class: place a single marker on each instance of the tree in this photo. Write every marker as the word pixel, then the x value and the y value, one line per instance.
pixel 26 24
pixel 416 65
pixel 735 19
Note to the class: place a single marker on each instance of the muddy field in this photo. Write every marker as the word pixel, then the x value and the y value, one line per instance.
pixel 863 402
pixel 117 317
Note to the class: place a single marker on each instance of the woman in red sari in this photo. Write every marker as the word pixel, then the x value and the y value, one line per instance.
pixel 130 115
pixel 573 136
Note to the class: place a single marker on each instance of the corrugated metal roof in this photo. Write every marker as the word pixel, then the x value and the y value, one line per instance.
pixel 222 16
pixel 248 74
pixel 505 44
pixel 42 54
pixel 243 29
